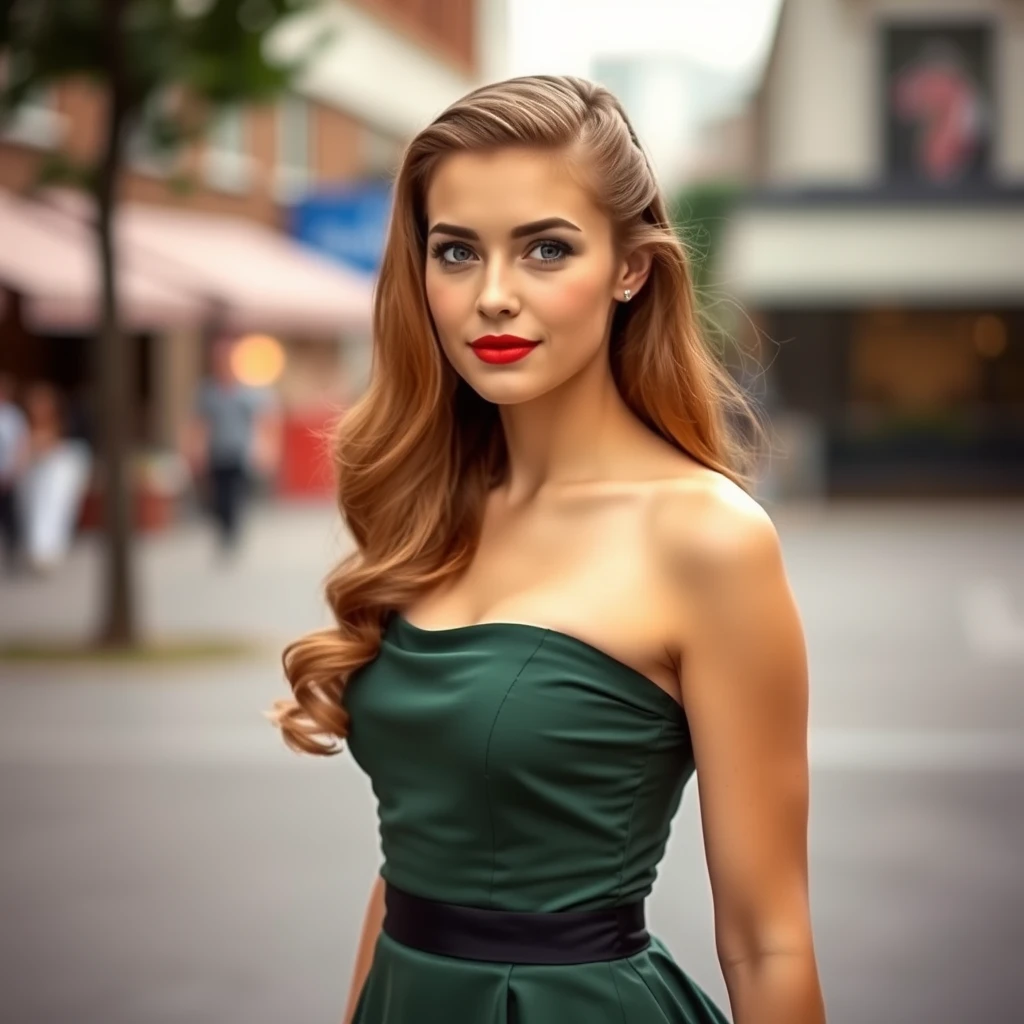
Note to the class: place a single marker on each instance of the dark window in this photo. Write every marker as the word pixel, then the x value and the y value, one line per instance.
pixel 939 103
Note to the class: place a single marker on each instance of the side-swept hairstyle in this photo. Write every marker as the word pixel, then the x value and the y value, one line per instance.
pixel 417 455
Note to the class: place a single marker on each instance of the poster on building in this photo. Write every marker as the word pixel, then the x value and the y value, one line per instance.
pixel 939 103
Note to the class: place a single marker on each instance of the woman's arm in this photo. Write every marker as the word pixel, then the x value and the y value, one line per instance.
pixel 743 678
pixel 372 922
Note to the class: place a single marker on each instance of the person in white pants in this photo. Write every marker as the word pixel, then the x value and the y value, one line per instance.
pixel 54 482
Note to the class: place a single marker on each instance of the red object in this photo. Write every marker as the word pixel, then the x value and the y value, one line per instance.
pixel 153 511
pixel 306 470
pixel 950 110
pixel 504 348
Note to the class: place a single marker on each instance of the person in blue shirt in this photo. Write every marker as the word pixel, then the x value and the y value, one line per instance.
pixel 232 438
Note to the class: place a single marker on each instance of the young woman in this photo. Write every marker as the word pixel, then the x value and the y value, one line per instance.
pixel 561 602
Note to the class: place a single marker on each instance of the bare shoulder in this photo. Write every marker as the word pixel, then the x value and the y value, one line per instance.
pixel 705 527
pixel 730 603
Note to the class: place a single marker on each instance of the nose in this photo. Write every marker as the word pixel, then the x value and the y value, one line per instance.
pixel 497 299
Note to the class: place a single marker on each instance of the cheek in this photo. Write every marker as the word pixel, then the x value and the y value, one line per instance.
pixel 572 303
pixel 447 302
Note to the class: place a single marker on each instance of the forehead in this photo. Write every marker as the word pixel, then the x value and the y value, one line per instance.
pixel 497 190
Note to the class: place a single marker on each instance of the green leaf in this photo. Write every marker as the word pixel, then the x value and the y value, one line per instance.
pixel 701 213
pixel 181 183
pixel 212 50
pixel 58 169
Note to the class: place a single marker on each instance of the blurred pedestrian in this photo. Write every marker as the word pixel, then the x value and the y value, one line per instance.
pixel 51 489
pixel 13 459
pixel 233 439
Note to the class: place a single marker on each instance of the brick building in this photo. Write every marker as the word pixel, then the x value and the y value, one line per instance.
pixel 225 242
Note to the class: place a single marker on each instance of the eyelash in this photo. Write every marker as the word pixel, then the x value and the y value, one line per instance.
pixel 439 248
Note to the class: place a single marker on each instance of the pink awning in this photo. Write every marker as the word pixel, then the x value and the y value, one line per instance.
pixel 51 261
pixel 260 279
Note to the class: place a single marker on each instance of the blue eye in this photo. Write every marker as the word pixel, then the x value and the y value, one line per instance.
pixel 550 251
pixel 452 253
pixel 455 254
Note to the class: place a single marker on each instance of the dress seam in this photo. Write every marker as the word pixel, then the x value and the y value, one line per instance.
pixel 508 991
pixel 487 755
pixel 650 991
pixel 618 994
pixel 632 810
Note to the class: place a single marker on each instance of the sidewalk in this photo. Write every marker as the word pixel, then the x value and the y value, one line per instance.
pixel 269 593
pixel 160 835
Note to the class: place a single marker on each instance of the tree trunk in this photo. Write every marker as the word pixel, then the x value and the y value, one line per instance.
pixel 114 363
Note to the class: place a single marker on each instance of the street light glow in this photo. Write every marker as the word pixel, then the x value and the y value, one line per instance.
pixel 258 360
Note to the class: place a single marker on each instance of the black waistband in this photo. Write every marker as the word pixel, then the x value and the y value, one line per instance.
pixel 514 937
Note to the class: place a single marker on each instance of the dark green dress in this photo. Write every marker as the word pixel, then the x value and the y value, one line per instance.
pixel 519 768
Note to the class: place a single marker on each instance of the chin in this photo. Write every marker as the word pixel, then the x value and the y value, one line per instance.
pixel 505 391
pixel 515 388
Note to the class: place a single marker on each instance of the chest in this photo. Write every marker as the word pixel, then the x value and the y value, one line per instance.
pixel 587 571
pixel 501 706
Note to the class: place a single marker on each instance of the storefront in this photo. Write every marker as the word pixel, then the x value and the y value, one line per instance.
pixel 184 277
pixel 882 255
pixel 906 401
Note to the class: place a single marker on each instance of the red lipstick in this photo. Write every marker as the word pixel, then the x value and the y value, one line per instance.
pixel 502 348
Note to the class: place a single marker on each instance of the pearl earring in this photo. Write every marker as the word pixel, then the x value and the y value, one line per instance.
pixel 627 295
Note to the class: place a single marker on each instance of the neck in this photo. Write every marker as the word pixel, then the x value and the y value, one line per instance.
pixel 579 432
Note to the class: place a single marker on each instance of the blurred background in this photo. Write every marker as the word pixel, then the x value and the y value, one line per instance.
pixel 193 199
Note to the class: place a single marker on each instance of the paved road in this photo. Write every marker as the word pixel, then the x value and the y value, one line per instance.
pixel 164 861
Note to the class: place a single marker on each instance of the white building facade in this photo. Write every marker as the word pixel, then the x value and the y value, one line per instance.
pixel 882 248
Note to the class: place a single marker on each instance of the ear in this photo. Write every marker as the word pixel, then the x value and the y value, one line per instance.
pixel 633 273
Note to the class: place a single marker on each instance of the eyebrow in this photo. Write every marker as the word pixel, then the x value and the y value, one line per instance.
pixel 519 232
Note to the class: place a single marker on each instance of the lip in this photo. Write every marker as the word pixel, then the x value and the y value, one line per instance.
pixel 502 348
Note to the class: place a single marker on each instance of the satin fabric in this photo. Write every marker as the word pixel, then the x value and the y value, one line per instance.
pixel 514 936
pixel 519 768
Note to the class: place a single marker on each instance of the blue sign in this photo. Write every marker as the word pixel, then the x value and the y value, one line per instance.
pixel 347 224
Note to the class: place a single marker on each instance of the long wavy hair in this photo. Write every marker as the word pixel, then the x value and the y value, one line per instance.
pixel 416 457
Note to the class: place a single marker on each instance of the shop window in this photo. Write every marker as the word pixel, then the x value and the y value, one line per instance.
pixel 149 146
pixel 914 367
pixel 293 174
pixel 998 339
pixel 227 163
pixel 938 103
pixel 36 122
pixel 381 154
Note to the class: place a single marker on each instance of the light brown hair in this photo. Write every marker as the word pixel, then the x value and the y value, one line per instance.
pixel 417 455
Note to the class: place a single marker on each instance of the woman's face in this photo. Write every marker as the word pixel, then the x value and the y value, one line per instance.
pixel 521 271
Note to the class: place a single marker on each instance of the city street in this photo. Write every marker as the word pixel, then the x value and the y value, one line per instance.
pixel 164 860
